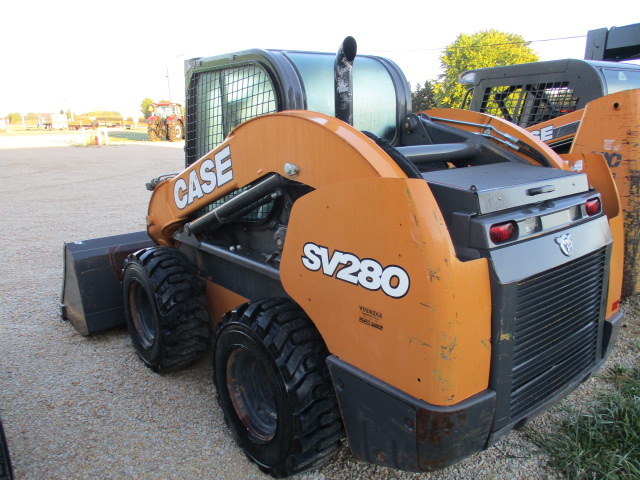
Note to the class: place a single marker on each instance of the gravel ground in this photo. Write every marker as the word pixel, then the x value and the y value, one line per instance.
pixel 78 408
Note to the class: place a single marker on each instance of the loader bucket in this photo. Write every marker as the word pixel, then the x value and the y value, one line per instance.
pixel 92 283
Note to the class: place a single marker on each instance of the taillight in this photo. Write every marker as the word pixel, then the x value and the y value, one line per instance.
pixel 592 206
pixel 501 232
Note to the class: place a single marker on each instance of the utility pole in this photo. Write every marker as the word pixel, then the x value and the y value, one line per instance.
pixel 168 83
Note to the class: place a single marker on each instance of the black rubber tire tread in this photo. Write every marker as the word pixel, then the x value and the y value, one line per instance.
pixel 6 470
pixel 153 134
pixel 175 132
pixel 176 297
pixel 298 351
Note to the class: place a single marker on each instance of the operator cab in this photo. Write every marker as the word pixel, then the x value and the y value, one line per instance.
pixel 165 110
pixel 531 93
pixel 225 91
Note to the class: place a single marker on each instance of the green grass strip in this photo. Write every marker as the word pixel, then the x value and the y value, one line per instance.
pixel 603 442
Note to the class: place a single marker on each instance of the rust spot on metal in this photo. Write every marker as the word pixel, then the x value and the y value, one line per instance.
pixel 433 274
pixel 448 350
pixel 631 274
pixel 418 341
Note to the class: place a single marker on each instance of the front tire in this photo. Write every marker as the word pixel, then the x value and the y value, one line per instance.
pixel 6 470
pixel 153 134
pixel 175 132
pixel 274 387
pixel 165 309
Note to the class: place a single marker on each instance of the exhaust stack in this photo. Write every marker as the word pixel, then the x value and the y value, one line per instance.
pixel 343 80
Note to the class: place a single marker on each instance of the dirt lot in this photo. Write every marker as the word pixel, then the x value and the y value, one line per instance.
pixel 77 408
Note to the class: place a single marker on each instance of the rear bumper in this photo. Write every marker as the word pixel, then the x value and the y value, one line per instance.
pixel 610 333
pixel 387 427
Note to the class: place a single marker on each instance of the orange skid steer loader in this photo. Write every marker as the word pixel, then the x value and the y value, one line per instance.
pixel 422 284
pixel 579 107
pixel 609 125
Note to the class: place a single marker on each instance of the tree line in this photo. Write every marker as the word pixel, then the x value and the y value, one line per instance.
pixel 488 48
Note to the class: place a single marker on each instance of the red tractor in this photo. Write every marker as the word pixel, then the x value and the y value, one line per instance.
pixel 166 121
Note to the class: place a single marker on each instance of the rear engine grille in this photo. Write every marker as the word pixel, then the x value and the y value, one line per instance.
pixel 556 329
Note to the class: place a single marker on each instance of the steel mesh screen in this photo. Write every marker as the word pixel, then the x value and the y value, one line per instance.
pixel 527 105
pixel 220 100
pixel 257 212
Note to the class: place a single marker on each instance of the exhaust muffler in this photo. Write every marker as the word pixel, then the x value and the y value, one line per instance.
pixel 343 80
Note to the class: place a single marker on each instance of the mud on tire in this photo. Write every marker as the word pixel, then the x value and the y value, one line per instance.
pixel 175 132
pixel 274 387
pixel 165 308
pixel 153 134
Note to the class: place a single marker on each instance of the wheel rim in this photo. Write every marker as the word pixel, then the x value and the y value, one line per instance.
pixel 178 131
pixel 142 315
pixel 252 394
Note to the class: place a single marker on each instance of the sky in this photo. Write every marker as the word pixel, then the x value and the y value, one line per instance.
pixel 87 56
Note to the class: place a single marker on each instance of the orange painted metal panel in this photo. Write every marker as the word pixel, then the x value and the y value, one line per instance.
pixel 221 300
pixel 434 342
pixel 325 149
pixel 599 175
pixel 611 126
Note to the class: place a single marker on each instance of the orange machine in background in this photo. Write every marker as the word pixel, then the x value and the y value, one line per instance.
pixel 609 125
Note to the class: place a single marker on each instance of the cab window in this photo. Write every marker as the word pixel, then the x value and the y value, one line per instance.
pixel 220 100
pixel 374 95
pixel 619 80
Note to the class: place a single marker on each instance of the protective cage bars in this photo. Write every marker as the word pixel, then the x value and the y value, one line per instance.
pixel 219 100
pixel 526 105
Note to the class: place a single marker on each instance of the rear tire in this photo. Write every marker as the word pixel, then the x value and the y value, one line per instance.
pixel 165 309
pixel 274 387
